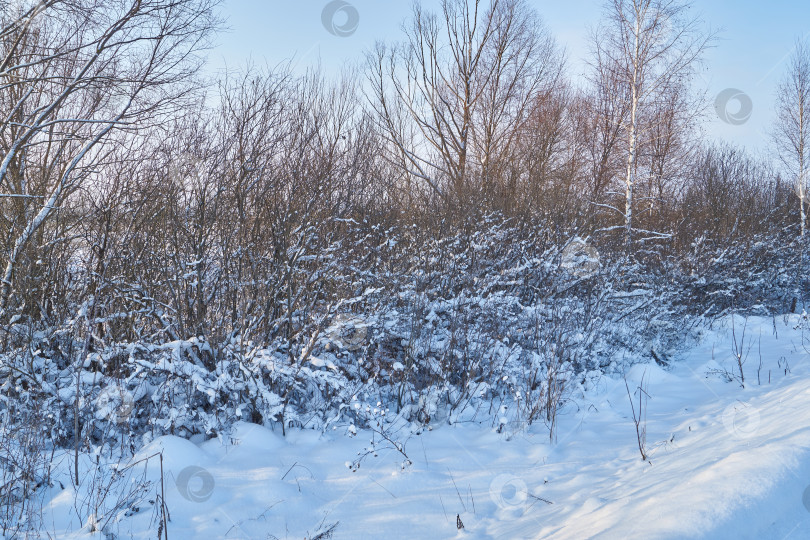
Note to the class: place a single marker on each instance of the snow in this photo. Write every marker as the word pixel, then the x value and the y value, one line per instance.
pixel 725 461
